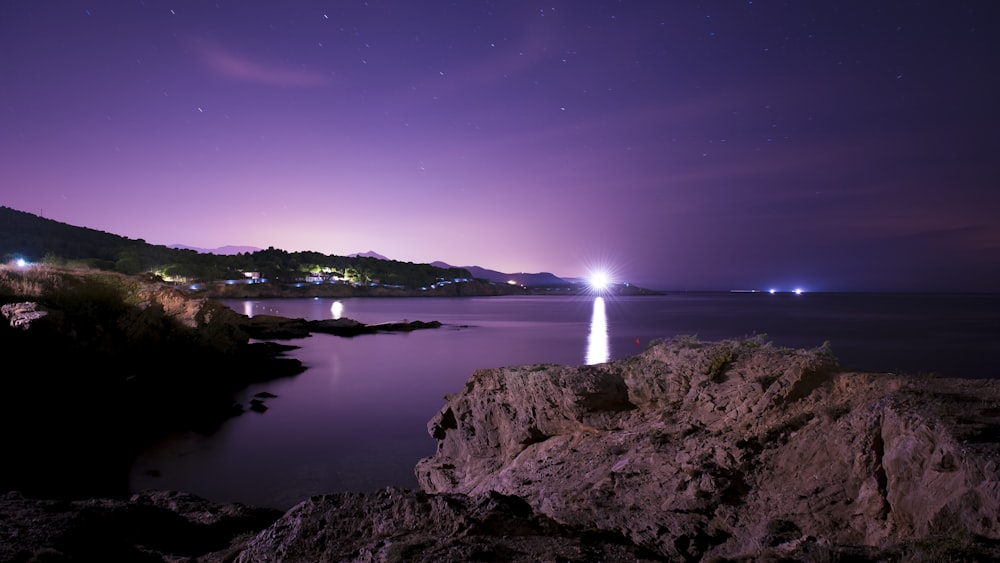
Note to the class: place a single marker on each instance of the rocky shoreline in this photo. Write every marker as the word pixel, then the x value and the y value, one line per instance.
pixel 689 451
pixel 98 365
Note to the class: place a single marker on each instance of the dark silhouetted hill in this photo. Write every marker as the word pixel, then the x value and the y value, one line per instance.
pixel 28 236
pixel 40 240
pixel 541 279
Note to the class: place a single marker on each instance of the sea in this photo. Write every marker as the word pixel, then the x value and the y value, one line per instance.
pixel 356 419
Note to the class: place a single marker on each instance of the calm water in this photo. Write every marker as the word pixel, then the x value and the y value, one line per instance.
pixel 356 419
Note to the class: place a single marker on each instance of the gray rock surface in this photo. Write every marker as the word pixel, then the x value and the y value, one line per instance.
pixel 730 449
pixel 407 526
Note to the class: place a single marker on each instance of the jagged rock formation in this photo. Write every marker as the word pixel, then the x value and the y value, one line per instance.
pixel 731 449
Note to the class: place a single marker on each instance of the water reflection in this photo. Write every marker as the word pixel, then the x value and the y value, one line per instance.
pixel 336 310
pixel 598 349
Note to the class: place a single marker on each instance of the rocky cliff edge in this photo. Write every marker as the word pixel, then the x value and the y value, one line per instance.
pixel 731 449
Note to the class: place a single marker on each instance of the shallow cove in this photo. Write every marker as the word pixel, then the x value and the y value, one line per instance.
pixel 356 419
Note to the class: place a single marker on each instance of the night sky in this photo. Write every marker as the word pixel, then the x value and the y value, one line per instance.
pixel 684 145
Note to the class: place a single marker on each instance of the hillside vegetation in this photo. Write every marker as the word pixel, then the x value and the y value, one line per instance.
pixel 39 240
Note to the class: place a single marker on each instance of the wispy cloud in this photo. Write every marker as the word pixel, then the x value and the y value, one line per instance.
pixel 233 65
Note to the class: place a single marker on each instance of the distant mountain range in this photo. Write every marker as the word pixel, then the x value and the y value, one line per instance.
pixel 223 250
pixel 369 254
pixel 234 249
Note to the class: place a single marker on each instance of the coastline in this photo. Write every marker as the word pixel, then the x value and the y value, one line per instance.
pixel 471 288
pixel 102 364
pixel 689 450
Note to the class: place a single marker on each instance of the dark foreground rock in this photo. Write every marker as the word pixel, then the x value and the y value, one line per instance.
pixel 97 365
pixel 388 525
pixel 152 526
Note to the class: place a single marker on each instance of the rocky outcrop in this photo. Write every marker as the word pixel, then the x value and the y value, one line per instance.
pixel 388 525
pixel 407 526
pixel 730 449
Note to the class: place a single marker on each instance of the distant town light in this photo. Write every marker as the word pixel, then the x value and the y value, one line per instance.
pixel 798 291
pixel 21 263
pixel 772 291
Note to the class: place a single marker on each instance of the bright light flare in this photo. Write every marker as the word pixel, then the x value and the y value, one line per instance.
pixel 599 281
pixel 602 275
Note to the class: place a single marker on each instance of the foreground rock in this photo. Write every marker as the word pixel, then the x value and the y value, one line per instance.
pixel 733 450
pixel 690 451
pixel 154 526
pixel 400 525
pixel 388 525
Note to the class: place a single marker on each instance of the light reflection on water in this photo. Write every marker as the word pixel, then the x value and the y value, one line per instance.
pixel 356 420
pixel 598 348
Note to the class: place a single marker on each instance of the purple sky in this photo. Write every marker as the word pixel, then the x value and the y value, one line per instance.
pixel 686 145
